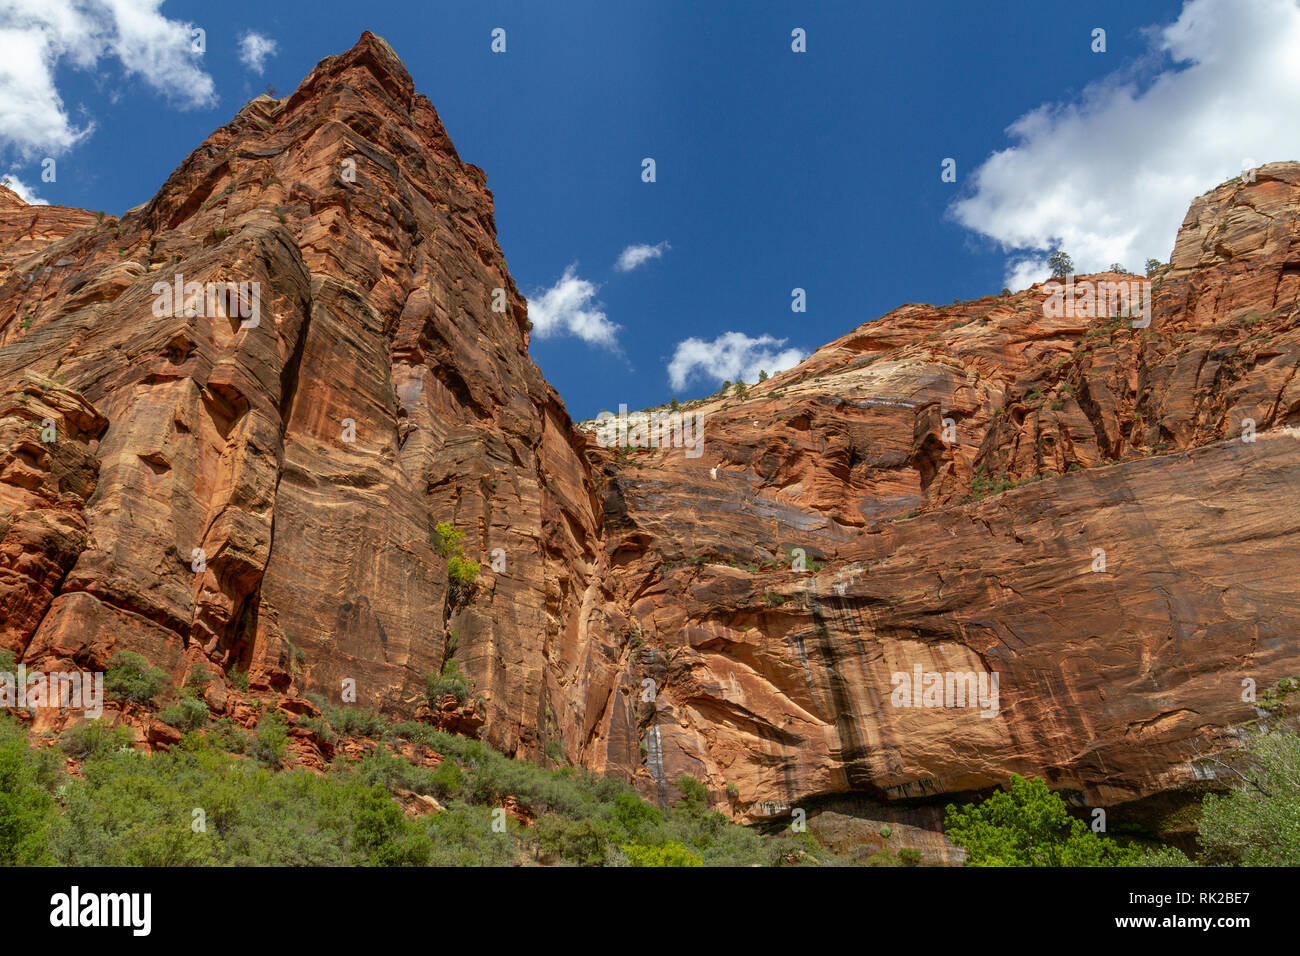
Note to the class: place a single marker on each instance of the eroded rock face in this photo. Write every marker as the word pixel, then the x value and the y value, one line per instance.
pixel 1071 503
pixel 252 486
pixel 266 489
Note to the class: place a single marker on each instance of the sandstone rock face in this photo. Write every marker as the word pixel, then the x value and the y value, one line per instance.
pixel 1100 515
pixel 260 494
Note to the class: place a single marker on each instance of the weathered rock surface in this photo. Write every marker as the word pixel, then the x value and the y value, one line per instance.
pixel 265 492
pixel 260 495
pixel 1122 592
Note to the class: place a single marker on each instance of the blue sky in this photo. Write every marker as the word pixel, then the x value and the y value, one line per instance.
pixel 775 169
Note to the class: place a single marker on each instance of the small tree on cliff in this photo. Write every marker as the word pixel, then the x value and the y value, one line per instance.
pixel 1062 265
pixel 462 572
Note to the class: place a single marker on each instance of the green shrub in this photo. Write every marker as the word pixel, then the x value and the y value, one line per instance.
pixel 446 540
pixel 320 727
pixel 635 817
pixel 694 794
pixel 270 741
pixel 133 680
pixel 227 735
pixel 198 680
pixel 448 779
pixel 383 835
pixel 583 842
pixel 669 854
pixel 450 681
pixel 909 857
pixel 355 722
pixel 93 737
pixel 463 573
pixel 26 809
pixel 189 713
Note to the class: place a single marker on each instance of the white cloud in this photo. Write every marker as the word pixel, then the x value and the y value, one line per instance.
pixel 1109 177
pixel 634 256
pixel 254 48
pixel 26 193
pixel 569 307
pixel 732 355
pixel 1022 273
pixel 38 36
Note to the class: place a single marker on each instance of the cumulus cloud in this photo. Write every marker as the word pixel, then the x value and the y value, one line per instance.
pixel 37 37
pixel 634 256
pixel 732 356
pixel 1108 178
pixel 570 308
pixel 254 48
pixel 26 193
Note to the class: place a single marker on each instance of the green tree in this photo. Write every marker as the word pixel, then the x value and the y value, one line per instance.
pixel 1062 265
pixel 1258 823
pixel 670 854
pixel 1028 825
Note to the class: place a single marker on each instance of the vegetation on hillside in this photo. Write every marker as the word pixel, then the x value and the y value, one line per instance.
pixel 1254 823
pixel 224 796
pixel 219 798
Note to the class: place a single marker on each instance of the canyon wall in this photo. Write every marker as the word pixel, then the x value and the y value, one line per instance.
pixel 1100 515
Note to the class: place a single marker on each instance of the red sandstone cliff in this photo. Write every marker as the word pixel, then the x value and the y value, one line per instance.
pixel 375 252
